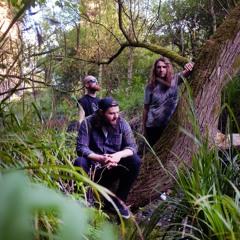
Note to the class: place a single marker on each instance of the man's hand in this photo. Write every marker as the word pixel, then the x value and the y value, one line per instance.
pixel 111 160
pixel 115 157
pixel 188 66
pixel 108 161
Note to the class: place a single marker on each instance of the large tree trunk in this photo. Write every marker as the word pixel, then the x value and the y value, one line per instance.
pixel 219 60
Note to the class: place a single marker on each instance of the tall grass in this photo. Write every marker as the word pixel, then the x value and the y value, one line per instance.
pixel 33 211
pixel 41 202
pixel 205 203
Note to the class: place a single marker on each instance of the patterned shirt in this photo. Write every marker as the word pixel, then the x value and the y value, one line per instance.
pixel 100 140
pixel 162 102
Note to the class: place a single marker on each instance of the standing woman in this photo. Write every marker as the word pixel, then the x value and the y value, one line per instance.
pixel 161 97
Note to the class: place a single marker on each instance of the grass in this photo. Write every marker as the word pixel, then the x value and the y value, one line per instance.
pixel 205 203
pixel 38 200
pixel 42 160
pixel 33 211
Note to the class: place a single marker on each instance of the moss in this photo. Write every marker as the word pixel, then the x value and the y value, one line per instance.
pixel 235 66
pixel 227 31
pixel 172 55
pixel 229 28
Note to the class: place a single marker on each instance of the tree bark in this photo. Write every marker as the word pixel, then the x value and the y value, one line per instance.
pixel 220 59
pixel 130 65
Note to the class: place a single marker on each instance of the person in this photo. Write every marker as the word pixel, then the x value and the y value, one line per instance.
pixel 106 145
pixel 160 97
pixel 88 104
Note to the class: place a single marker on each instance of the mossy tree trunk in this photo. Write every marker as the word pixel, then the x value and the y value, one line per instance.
pixel 220 59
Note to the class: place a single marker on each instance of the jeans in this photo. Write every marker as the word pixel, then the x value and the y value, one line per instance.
pixel 126 172
pixel 153 134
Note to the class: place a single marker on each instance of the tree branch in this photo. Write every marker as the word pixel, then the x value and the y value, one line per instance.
pixel 15 19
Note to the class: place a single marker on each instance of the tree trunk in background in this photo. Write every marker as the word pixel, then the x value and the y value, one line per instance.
pixel 130 67
pixel 100 73
pixel 220 58
pixel 65 44
pixel 10 55
pixel 213 14
pixel 78 28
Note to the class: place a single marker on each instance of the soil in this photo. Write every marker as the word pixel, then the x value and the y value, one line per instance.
pixel 145 214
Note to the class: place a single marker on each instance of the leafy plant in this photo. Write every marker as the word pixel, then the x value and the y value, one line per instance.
pixel 46 156
pixel 33 211
pixel 205 204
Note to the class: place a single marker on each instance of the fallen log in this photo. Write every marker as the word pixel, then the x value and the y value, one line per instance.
pixel 223 142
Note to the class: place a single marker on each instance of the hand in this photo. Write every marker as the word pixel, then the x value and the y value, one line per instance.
pixel 115 157
pixel 105 159
pixel 108 161
pixel 112 159
pixel 188 66
pixel 111 165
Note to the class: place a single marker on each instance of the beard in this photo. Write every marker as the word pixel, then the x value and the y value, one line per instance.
pixel 97 87
pixel 112 128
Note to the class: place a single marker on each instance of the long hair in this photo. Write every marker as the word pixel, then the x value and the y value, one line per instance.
pixel 169 76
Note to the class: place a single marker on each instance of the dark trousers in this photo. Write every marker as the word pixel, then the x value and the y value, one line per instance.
pixel 127 172
pixel 153 134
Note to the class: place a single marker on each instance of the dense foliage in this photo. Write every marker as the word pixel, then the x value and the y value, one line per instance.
pixel 57 44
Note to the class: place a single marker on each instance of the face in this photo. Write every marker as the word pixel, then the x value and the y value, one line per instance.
pixel 161 69
pixel 92 84
pixel 111 115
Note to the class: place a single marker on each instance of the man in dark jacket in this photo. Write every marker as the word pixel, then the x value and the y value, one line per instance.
pixel 88 104
pixel 106 143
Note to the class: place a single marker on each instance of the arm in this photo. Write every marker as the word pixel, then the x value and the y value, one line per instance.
pixel 128 140
pixel 128 145
pixel 116 157
pixel 146 104
pixel 81 113
pixel 144 118
pixel 188 67
pixel 83 139
pixel 83 149
pixel 106 159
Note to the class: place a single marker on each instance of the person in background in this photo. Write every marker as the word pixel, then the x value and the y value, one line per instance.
pixel 88 104
pixel 106 145
pixel 161 97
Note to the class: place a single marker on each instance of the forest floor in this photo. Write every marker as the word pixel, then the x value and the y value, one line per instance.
pixel 144 215
pixel 165 215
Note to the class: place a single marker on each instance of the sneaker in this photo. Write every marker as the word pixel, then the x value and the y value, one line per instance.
pixel 123 210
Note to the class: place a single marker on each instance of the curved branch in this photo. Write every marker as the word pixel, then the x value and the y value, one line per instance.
pixel 172 55
pixel 120 21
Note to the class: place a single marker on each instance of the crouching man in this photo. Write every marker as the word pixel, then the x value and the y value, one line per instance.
pixel 106 143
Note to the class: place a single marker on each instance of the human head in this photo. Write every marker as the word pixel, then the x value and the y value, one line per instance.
pixel 153 73
pixel 91 84
pixel 108 109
